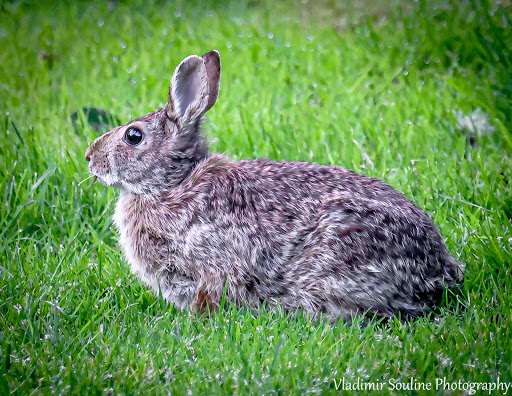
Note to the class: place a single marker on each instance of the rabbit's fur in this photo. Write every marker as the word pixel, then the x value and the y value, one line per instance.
pixel 319 238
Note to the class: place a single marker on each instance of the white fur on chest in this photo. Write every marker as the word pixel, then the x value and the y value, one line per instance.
pixel 175 288
pixel 128 242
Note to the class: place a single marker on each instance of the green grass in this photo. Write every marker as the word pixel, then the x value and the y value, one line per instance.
pixel 372 87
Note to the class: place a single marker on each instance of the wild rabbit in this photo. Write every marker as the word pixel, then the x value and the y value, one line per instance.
pixel 305 236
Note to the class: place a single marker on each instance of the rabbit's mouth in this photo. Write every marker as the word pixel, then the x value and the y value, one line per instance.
pixel 105 179
pixel 108 181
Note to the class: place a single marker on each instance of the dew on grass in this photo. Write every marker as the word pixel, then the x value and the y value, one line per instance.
pixel 240 35
pixel 101 22
pixel 229 45
pixel 115 58
pixel 405 72
pixel 128 70
pixel 287 44
pixel 134 80
pixel 123 44
pixel 270 35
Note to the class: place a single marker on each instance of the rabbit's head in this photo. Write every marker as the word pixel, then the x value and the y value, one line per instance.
pixel 157 151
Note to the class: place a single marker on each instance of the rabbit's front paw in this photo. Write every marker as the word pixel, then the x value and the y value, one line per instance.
pixel 204 301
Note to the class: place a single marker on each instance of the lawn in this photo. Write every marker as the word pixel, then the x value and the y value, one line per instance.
pixel 386 89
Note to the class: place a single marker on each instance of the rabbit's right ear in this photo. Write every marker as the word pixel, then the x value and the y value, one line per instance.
pixel 188 93
pixel 212 62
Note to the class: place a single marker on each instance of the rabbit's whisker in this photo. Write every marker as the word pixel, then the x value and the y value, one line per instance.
pixel 87 178
pixel 92 184
pixel 94 181
pixel 83 181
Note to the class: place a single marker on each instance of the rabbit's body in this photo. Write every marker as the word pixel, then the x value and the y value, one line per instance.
pixel 306 236
pixel 321 238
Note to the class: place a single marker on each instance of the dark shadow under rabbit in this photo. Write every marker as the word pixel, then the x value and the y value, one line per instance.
pixel 318 238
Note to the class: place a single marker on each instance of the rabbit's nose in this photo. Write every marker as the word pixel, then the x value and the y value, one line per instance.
pixel 88 154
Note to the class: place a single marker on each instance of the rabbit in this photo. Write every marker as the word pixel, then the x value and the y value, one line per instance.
pixel 199 227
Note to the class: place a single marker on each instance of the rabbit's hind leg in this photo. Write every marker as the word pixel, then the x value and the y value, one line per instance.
pixel 335 271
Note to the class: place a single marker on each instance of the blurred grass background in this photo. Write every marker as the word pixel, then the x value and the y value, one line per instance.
pixel 416 93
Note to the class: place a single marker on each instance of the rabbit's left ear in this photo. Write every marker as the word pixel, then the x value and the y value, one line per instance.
pixel 188 93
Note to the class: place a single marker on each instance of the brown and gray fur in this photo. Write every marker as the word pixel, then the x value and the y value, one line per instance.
pixel 318 238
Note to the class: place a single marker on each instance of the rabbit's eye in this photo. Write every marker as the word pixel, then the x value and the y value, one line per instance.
pixel 133 136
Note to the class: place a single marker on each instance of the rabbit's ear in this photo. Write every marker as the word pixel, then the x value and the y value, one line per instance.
pixel 212 62
pixel 188 93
